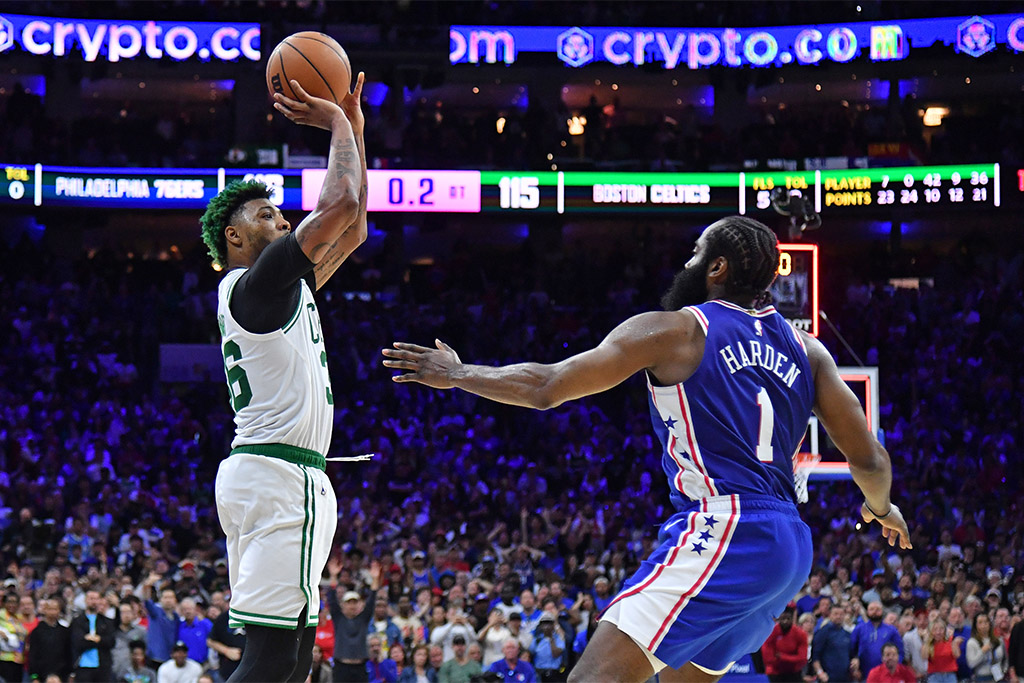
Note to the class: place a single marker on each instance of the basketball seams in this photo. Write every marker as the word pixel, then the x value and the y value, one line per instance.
pixel 284 75
pixel 312 65
pixel 341 55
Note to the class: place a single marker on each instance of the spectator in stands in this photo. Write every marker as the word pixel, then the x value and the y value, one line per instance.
pixel 92 639
pixel 437 656
pixel 493 635
pixel 419 670
pixel 382 625
pixel 49 644
pixel 379 669
pixel 127 633
pixel 137 671
pixel 941 651
pixel 351 617
pixel 785 650
pixel 830 649
pixel 531 612
pixel 396 653
pixel 913 643
pixel 193 630
pixel 179 668
pixel 320 670
pixel 12 638
pixel 961 629
pixel 506 601
pixel 986 655
pixel 867 640
pixel 809 601
pixel 890 670
pixel 162 632
pixel 409 625
pixel 457 625
pixel 460 668
pixel 878 582
pixel 1015 651
pixel 228 642
pixel 511 667
pixel 515 629
pixel 548 650
pixel 1001 624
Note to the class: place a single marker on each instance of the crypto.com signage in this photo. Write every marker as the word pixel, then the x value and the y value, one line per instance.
pixel 98 40
pixel 702 47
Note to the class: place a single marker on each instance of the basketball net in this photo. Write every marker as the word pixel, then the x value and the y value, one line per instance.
pixel 803 465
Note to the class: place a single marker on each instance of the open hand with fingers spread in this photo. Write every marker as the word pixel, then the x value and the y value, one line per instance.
pixel 433 367
pixel 894 527
pixel 319 113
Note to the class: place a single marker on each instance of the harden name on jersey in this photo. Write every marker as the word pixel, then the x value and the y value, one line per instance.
pixel 753 353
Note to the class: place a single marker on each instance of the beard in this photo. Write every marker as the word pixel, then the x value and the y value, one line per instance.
pixel 689 288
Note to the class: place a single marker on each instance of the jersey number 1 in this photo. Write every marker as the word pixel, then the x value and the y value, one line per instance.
pixel 766 427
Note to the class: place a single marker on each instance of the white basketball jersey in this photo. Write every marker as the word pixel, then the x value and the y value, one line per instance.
pixel 278 382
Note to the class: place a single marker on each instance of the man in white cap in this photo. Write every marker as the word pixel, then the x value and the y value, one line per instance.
pixel 351 621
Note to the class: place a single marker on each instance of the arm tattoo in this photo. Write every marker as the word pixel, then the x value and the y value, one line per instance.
pixel 318 251
pixel 343 158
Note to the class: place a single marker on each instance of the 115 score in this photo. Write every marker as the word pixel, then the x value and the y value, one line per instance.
pixel 519 192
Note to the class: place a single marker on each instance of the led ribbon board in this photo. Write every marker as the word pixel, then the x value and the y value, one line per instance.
pixel 869 192
pixel 695 48
pixel 114 40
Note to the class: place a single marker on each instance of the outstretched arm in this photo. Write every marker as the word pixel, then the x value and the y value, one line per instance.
pixel 338 204
pixel 354 234
pixel 658 341
pixel 843 418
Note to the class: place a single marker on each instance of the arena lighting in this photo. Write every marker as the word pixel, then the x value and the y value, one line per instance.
pixel 933 115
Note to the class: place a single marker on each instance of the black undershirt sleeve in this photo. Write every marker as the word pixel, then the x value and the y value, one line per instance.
pixel 267 294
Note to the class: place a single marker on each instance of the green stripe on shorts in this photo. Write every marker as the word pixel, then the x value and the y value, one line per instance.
pixel 305 537
pixel 241 618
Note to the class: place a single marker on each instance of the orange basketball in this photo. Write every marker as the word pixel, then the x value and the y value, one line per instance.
pixel 313 59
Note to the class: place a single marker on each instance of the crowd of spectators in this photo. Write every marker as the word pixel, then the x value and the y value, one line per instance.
pixel 481 522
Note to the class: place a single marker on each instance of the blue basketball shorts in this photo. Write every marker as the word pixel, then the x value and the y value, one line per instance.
pixel 725 568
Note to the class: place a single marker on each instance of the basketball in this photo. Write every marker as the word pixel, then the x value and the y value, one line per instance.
pixel 315 60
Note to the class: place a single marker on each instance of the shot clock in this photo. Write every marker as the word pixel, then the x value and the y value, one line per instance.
pixel 795 290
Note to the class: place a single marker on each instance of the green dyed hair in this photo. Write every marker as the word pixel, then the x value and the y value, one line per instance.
pixel 222 209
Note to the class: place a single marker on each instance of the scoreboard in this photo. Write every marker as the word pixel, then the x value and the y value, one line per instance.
pixel 854 191
pixel 519 193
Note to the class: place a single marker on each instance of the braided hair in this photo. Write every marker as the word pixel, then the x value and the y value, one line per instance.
pixel 752 250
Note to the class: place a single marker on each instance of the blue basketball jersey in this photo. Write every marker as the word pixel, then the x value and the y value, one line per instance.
pixel 735 425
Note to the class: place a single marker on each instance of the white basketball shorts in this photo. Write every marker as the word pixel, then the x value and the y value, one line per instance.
pixel 279 518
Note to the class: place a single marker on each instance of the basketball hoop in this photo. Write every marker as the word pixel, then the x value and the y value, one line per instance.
pixel 803 465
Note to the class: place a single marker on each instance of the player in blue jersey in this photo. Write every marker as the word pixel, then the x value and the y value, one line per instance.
pixel 731 387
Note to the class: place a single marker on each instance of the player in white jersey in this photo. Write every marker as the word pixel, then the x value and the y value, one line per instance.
pixel 276 504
